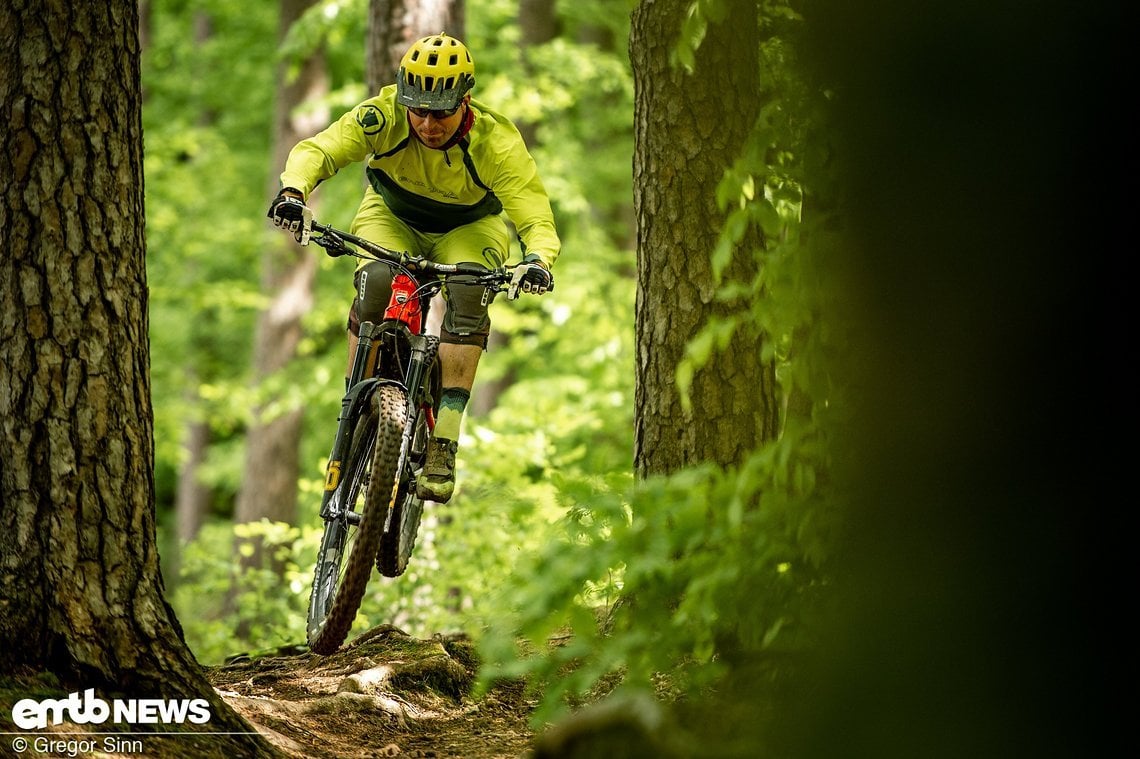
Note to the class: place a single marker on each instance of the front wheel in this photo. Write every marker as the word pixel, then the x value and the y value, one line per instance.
pixel 368 488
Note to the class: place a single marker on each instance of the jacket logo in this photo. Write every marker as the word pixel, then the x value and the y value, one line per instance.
pixel 371 119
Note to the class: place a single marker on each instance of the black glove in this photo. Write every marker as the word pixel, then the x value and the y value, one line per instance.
pixel 531 277
pixel 289 212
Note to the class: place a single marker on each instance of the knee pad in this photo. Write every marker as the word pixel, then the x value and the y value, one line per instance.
pixel 373 283
pixel 466 321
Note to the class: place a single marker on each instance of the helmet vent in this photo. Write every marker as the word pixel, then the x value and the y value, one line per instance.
pixel 435 71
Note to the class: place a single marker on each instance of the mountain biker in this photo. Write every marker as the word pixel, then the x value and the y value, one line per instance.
pixel 441 169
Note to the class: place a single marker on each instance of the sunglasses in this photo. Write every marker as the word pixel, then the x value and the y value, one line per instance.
pixel 423 113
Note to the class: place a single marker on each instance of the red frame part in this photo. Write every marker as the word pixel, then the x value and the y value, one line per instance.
pixel 404 305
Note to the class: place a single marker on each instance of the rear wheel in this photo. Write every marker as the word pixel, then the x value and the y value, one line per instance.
pixel 368 488
pixel 403 523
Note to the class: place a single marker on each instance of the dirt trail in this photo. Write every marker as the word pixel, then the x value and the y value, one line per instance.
pixel 383 694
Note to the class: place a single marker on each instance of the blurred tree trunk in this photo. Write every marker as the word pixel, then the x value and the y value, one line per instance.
pixel 618 218
pixel 192 498
pixel 688 129
pixel 145 10
pixel 272 459
pixel 538 24
pixel 393 25
pixel 82 595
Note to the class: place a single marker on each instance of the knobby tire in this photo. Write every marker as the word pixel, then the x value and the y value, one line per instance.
pixel 337 533
pixel 402 526
pixel 389 410
pixel 399 539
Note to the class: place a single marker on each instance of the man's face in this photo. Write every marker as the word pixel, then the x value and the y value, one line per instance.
pixel 434 128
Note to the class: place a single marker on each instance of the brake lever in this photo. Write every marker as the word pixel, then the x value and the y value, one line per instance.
pixel 334 246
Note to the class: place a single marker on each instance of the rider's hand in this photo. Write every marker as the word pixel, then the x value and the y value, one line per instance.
pixel 288 211
pixel 532 277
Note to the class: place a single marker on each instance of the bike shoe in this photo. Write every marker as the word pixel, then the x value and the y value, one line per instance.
pixel 437 480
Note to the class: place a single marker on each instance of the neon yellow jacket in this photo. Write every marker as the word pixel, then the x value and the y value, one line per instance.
pixel 488 171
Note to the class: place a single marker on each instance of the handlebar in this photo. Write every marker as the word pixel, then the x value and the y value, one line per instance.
pixel 337 243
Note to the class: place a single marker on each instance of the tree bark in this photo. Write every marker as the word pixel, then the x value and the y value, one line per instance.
pixel 272 458
pixel 393 25
pixel 688 130
pixel 80 590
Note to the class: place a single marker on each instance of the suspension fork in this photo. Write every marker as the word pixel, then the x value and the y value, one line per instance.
pixel 418 365
pixel 417 369
pixel 357 396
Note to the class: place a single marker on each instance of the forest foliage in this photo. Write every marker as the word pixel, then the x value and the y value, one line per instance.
pixel 690 574
pixel 568 408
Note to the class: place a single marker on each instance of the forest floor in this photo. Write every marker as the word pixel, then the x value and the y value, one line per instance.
pixel 382 694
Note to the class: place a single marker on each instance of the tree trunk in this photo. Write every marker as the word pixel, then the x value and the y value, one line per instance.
pixel 688 130
pixel 192 498
pixel 617 217
pixel 145 12
pixel 272 458
pixel 538 24
pixel 393 25
pixel 81 593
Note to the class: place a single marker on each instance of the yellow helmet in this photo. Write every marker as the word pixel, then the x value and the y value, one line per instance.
pixel 436 72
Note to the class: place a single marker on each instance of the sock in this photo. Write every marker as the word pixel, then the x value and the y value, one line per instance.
pixel 451 408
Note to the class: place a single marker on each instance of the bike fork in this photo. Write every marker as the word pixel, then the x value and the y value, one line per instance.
pixel 424 354
pixel 417 370
pixel 350 410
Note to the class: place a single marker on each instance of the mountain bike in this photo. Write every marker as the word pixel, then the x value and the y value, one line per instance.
pixel 369 507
